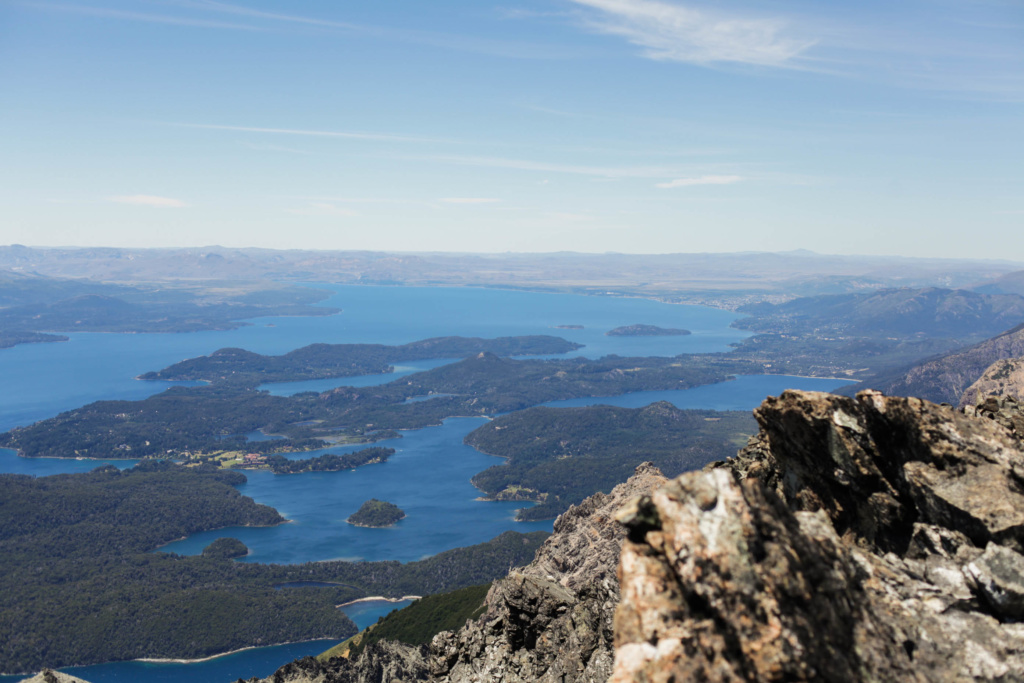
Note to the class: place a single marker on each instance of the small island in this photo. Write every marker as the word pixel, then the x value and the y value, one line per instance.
pixel 568 327
pixel 226 549
pixel 329 462
pixel 646 331
pixel 377 513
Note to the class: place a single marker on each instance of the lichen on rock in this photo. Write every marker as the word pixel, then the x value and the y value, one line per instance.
pixel 854 539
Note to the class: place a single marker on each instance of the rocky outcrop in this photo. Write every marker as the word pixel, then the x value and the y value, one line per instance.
pixel 381 662
pixel 51 676
pixel 946 378
pixel 548 621
pixel 552 620
pixel 874 538
pixel 1002 378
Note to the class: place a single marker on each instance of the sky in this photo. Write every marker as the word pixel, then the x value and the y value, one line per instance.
pixel 635 126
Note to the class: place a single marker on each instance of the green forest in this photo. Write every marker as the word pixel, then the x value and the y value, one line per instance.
pixel 319 361
pixel 418 623
pixel 330 462
pixel 559 456
pixel 203 419
pixel 79 582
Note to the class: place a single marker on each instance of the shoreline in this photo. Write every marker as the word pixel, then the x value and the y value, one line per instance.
pixel 174 660
pixel 199 660
pixel 378 598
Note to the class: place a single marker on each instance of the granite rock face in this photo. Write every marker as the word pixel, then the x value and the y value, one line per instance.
pixel 381 662
pixel 1003 378
pixel 552 620
pixel 874 538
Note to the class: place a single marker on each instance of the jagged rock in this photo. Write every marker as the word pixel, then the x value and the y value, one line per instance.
pixel 999 575
pixel 51 676
pixel 844 543
pixel 552 620
pixel 1005 410
pixel 381 662
pixel 1002 378
pixel 549 621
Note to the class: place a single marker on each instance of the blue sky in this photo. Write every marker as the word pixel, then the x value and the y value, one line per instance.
pixel 541 125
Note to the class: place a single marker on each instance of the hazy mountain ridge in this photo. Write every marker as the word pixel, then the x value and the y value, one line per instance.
pixel 931 311
pixel 33 306
pixel 724 279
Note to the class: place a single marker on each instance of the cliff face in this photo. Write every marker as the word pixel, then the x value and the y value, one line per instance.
pixel 1002 378
pixel 873 538
pixel 549 621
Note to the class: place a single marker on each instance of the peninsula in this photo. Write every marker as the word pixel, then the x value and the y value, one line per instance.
pixel 646 331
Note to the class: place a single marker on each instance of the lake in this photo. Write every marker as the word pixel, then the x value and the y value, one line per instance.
pixel 429 474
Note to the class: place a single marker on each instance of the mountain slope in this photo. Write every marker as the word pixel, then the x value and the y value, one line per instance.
pixel 1002 378
pixel 929 312
pixel 946 378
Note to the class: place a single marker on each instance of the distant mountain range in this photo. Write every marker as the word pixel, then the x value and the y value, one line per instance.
pixel 727 280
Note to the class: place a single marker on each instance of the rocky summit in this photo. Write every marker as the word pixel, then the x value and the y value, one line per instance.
pixel 867 539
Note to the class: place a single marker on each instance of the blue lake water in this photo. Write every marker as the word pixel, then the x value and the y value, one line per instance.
pixel 429 474
pixel 743 393
pixel 428 477
pixel 261 662
pixel 40 380
pixel 368 612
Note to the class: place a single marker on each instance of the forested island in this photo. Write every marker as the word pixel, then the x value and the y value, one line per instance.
pixel 377 514
pixel 195 420
pixel 79 582
pixel 321 361
pixel 646 331
pixel 330 462
pixel 559 456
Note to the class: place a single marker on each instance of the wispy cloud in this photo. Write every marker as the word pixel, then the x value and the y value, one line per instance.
pixel 702 180
pixel 107 13
pixel 672 32
pixel 313 133
pixel 469 200
pixel 149 200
